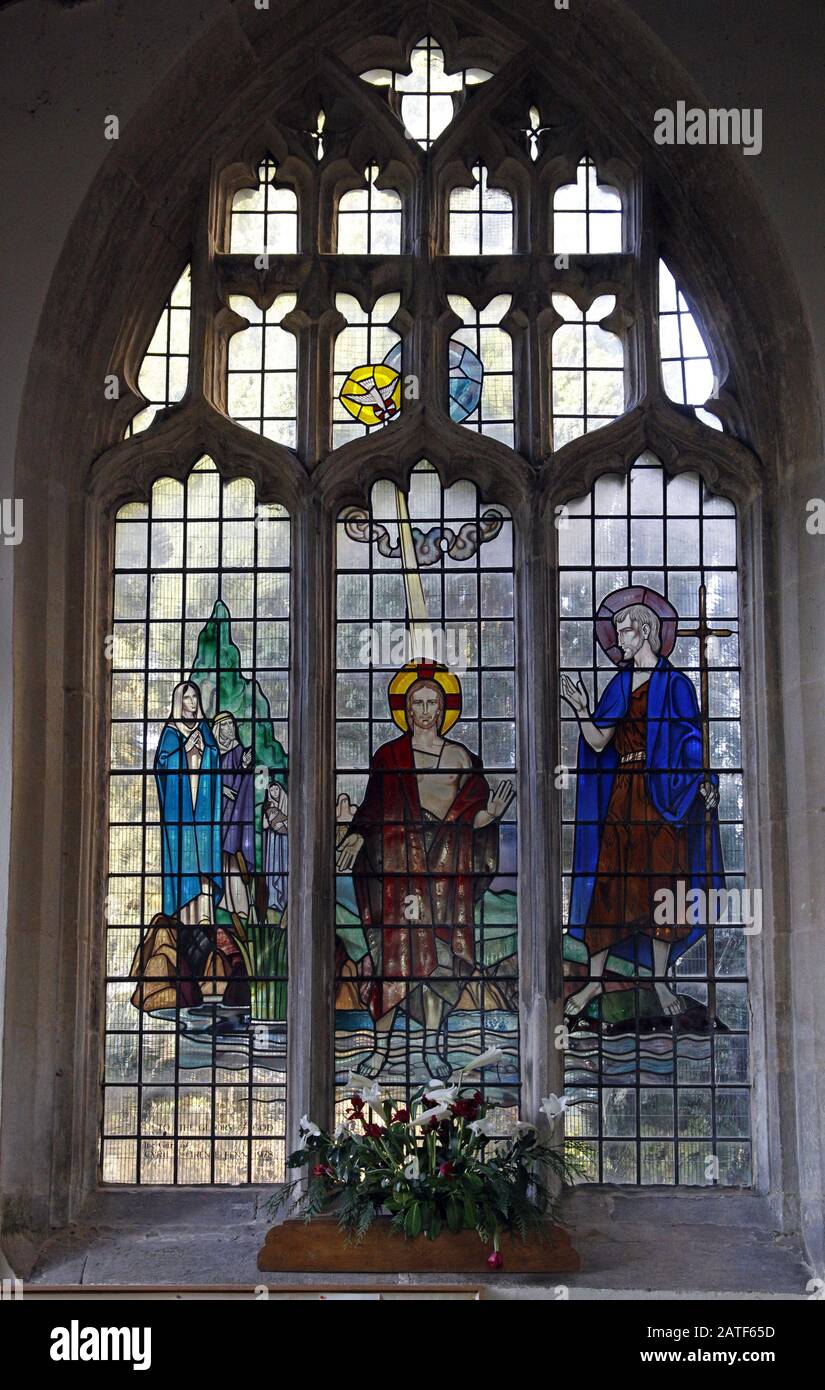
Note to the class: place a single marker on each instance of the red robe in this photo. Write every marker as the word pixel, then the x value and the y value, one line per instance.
pixel 446 864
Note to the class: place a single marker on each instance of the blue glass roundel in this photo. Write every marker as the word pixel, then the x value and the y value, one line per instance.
pixel 466 377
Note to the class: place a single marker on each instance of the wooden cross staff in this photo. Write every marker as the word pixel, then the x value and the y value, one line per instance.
pixel 413 585
pixel 704 632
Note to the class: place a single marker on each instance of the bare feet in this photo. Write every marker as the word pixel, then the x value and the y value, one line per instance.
pixel 582 998
pixel 670 1002
pixel 371 1066
pixel 438 1068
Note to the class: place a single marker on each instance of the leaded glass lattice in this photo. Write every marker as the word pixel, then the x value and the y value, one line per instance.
pixel 481 218
pixel 655 897
pixel 427 97
pixel 367 368
pixel 164 370
pixel 426 905
pixel 369 219
pixel 194 1082
pixel 587 370
pixel 687 371
pixel 264 219
pixel 587 215
pixel 262 370
pixel 481 369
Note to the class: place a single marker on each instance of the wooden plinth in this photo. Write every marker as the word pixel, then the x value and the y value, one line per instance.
pixel 318 1247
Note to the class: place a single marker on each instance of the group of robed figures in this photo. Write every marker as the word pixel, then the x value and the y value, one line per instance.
pixel 223 861
pixel 422 847
pixel 423 844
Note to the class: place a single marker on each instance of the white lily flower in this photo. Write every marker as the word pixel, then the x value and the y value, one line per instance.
pixel 554 1106
pixel 413 1168
pixel 434 1114
pixel 442 1095
pixel 307 1128
pixel 369 1091
pixel 490 1058
pixel 484 1128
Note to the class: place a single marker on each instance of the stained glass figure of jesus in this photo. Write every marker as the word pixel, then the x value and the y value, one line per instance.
pixel 647 833
pixel 422 848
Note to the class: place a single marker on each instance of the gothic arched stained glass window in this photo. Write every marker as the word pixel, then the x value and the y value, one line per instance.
pixel 657 912
pixel 426 903
pixel 338 370
pixel 196 908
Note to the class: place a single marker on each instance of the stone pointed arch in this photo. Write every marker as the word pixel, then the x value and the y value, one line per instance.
pixel 136 225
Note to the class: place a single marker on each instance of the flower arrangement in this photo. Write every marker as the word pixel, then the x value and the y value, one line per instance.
pixel 458 1163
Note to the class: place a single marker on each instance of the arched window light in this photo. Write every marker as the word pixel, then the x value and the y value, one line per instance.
pixel 481 218
pixel 264 218
pixel 430 96
pixel 261 370
pixel 481 369
pixel 367 368
pixel 427 571
pixel 369 219
pixel 587 214
pixel 587 369
pixel 687 371
pixel 651 1103
pixel 164 370
pixel 201 632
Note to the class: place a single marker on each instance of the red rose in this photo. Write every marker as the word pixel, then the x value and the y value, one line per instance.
pixel 401 1117
pixel 446 1170
pixel 465 1109
pixel 373 1131
pixel 495 1261
pixel 320 1170
pixel 357 1104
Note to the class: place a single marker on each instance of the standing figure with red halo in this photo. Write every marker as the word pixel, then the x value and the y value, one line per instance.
pixel 646 819
pixel 422 848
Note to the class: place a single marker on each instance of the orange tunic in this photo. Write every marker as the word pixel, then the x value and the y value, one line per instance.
pixel 640 852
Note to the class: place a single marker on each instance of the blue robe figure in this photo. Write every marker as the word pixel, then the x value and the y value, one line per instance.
pixel 641 820
pixel 275 846
pixel 187 776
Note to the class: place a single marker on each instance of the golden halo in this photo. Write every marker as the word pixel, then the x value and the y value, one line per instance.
pixel 425 671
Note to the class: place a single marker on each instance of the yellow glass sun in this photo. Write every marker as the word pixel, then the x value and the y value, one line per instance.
pixel 372 394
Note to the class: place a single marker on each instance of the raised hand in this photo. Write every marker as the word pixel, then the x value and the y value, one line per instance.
pixel 348 852
pixel 710 795
pixel 500 799
pixel 344 809
pixel 576 696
